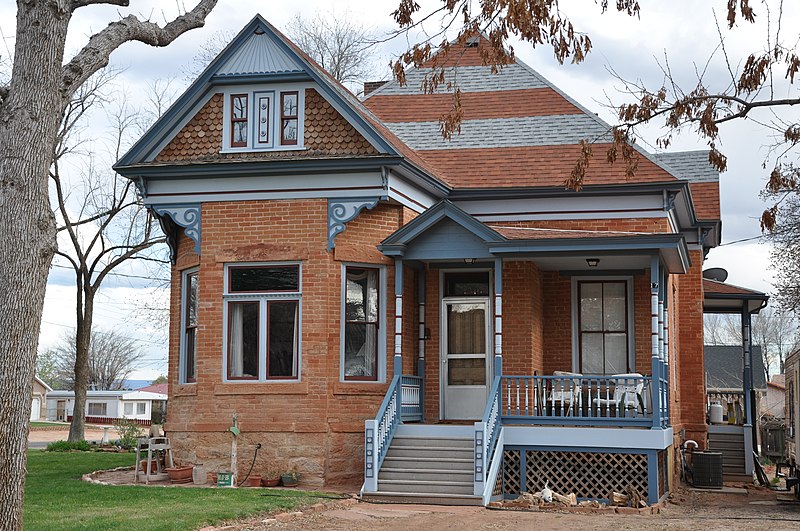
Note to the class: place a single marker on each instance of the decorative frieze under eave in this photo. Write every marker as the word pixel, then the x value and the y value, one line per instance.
pixel 341 211
pixel 184 215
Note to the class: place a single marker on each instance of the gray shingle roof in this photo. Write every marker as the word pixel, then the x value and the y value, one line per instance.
pixel 724 367
pixel 468 79
pixel 690 165
pixel 504 132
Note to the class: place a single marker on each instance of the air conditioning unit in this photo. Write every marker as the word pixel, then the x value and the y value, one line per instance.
pixel 707 469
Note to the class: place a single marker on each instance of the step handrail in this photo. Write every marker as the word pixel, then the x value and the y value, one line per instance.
pixel 486 436
pixel 378 432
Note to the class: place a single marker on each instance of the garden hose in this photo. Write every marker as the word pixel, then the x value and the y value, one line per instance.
pixel 255 454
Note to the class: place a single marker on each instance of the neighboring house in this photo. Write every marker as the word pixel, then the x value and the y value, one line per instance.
pixel 39 398
pixel 105 407
pixel 792 412
pixel 377 306
pixel 159 407
pixel 724 372
pixel 775 398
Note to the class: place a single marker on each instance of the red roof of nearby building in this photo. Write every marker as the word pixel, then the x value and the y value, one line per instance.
pixel 161 388
pixel 721 288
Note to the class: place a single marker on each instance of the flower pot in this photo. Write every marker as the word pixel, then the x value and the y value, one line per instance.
pixel 153 466
pixel 254 481
pixel 180 474
pixel 213 477
pixel 270 481
pixel 290 480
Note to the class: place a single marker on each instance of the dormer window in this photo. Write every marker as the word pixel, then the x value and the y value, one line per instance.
pixel 289 118
pixel 239 112
pixel 263 120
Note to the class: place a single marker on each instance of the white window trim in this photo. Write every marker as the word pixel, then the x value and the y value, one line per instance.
pixel 182 350
pixel 631 310
pixel 382 297
pixel 125 408
pixel 253 93
pixel 137 408
pixel 88 407
pixel 262 298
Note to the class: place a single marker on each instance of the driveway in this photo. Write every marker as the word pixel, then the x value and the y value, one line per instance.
pixel 753 510
pixel 39 438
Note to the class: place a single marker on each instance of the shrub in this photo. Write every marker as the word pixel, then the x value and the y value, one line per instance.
pixel 67 446
pixel 128 431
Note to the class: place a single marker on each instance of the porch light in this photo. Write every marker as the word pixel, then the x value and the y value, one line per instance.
pixel 592 262
pixel 469 260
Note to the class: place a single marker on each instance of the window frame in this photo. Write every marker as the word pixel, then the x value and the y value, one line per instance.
pixel 263 299
pixel 182 363
pixel 144 408
pixel 380 371
pixel 287 117
pixel 630 309
pixel 89 407
pixel 254 96
pixel 125 409
pixel 233 120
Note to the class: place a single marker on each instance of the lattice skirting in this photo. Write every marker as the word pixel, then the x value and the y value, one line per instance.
pixel 663 470
pixel 591 475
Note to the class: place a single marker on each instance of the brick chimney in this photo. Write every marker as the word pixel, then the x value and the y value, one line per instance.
pixel 372 86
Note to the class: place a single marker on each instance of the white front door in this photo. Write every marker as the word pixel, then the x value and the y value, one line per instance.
pixel 464 357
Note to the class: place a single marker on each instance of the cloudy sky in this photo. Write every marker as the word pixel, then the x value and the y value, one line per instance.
pixel 683 31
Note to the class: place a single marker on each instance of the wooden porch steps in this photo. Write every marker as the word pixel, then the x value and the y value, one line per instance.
pixel 732 447
pixel 431 469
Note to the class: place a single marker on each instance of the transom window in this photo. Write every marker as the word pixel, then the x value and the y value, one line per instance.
pixel 262 303
pixel 361 337
pixel 264 120
pixel 603 313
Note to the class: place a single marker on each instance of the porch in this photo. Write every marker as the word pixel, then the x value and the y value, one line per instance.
pixel 537 377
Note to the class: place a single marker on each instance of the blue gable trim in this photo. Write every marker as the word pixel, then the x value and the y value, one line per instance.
pixel 143 150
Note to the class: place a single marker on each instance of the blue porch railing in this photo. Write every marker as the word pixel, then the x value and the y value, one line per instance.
pixel 622 400
pixel 403 403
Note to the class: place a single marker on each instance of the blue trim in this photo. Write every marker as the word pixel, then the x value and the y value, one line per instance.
pixel 282 77
pixel 576 449
pixel 498 276
pixel 652 477
pixel 397 243
pixel 186 216
pixel 342 211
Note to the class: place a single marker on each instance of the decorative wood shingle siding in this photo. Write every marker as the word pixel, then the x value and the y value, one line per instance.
pixel 327 134
pixel 579 228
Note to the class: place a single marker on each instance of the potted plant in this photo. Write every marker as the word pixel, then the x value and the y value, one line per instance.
pixel 271 478
pixel 290 479
pixel 180 474
pixel 212 476
pixel 254 480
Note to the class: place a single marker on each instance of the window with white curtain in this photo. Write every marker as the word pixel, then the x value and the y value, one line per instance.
pixel 128 409
pixel 188 361
pixel 603 322
pixel 361 323
pixel 262 303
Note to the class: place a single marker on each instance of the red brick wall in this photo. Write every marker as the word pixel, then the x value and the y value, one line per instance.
pixel 315 425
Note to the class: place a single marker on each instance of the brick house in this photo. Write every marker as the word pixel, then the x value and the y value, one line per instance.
pixel 380 307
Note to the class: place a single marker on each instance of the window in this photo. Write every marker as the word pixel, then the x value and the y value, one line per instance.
pixel 263 120
pixel 603 339
pixel 239 112
pixel 188 362
pixel 289 106
pixel 362 316
pixel 141 408
pixel 97 409
pixel 128 409
pixel 263 317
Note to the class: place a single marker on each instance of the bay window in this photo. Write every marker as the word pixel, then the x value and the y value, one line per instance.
pixel 262 304
pixel 362 339
pixel 603 327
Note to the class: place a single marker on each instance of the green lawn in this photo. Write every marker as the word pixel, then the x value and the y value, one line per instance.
pixel 40 423
pixel 56 498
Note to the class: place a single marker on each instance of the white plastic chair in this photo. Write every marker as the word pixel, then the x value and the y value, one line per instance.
pixel 627 393
pixel 565 394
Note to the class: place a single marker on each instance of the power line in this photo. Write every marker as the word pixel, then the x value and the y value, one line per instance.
pixel 125 275
pixel 744 240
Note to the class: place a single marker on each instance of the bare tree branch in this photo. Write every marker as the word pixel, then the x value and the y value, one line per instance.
pixel 82 3
pixel 95 54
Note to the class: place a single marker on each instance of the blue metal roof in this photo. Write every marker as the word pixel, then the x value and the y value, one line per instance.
pixel 259 55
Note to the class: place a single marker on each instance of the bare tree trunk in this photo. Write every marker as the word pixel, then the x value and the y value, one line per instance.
pixel 83 334
pixel 30 115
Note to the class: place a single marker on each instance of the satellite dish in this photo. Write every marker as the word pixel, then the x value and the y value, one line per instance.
pixel 715 273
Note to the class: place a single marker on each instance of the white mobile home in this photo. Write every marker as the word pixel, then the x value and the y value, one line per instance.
pixel 104 407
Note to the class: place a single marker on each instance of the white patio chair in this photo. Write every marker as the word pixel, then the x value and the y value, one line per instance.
pixel 627 393
pixel 564 395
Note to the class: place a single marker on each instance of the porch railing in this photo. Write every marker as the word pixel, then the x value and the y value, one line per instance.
pixel 403 402
pixel 599 400
pixel 732 402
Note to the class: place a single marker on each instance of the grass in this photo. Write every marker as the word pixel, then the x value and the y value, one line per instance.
pixel 41 423
pixel 56 498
